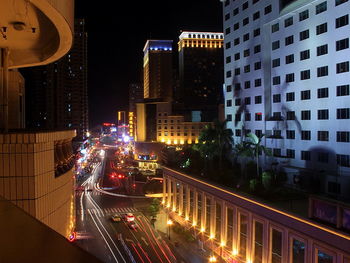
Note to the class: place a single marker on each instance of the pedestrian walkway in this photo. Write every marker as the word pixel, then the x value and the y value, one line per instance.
pixel 108 211
pixel 191 251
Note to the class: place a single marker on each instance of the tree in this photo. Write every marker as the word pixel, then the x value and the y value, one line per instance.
pixel 214 140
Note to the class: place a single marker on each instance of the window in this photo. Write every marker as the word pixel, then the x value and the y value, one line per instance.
pixel 276 80
pixel 275 27
pixel 228 45
pixel 258 133
pixel 258 241
pixel 290 134
pixel 306 135
pixel 245 5
pixel 257 49
pixel 255 1
pixel 288 22
pixel 305 74
pixel 236 41
pixel 256 15
pixel 323 135
pixel 343 113
pixel 322 50
pixel 227 16
pixel 276 63
pixel 228 88
pixel 246 52
pixel 235 11
pixel 229 117
pixel 304 35
pixel 243 236
pixel 290 115
pixel 245 37
pixel 343 136
pixel 290 59
pixel 246 21
pixel 228 59
pixel 228 74
pixel 257 82
pixel 342 21
pixel 246 68
pixel 238 117
pixel 290 96
pixel 237 86
pixel 304 15
pixel 322 28
pixel 342 44
pixel 339 2
pixel 227 30
pixel 323 257
pixel 247 100
pixel 305 95
pixel 237 56
pixel 276 152
pixel 290 153
pixel 237 71
pixel 305 54
pixel 237 102
pixel 267 9
pixel 306 115
pixel 236 26
pixel 321 7
pixel 289 40
pixel 290 77
pixel 343 90
pixel 343 160
pixel 247 117
pixel 227 2
pixel 247 84
pixel 275 45
pixel 342 67
pixel 257 65
pixel 276 246
pixel 322 71
pixel 228 103
pixel 276 98
pixel 322 114
pixel 258 116
pixel 256 32
pixel 258 99
pixel 322 93
pixel 306 156
pixel 238 132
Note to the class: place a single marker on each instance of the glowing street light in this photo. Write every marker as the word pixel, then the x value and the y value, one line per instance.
pixel 169 223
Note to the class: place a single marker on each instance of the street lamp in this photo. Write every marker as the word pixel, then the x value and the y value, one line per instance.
pixel 169 223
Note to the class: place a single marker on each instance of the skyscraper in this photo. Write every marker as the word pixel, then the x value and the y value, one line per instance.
pixel 157 69
pixel 287 76
pixel 57 93
pixel 200 71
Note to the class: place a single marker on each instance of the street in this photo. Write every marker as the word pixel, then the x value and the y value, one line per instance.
pixel 116 241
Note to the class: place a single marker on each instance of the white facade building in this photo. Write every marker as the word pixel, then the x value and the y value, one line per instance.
pixel 287 76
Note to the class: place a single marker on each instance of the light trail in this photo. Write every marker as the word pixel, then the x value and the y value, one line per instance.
pixel 144 252
pixel 137 252
pixel 110 249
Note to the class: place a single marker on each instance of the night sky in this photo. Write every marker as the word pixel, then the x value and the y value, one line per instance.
pixel 117 34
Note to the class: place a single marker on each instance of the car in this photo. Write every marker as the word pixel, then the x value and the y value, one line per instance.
pixel 132 225
pixel 129 217
pixel 116 218
pixel 89 190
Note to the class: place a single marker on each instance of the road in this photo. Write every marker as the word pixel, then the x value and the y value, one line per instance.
pixel 115 241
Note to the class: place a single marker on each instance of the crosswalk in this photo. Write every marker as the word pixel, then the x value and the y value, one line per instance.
pixel 107 211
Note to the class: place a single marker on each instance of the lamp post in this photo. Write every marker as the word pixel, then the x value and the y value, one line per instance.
pixel 169 223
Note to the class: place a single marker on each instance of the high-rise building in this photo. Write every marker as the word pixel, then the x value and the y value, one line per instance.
pixel 200 71
pixel 157 69
pixel 287 76
pixel 57 93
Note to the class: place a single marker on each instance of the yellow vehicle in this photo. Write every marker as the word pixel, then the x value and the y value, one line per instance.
pixel 116 218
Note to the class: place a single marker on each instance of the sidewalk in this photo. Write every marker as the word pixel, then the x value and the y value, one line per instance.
pixel 191 251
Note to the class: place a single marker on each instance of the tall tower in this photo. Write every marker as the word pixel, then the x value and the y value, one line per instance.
pixel 57 93
pixel 157 69
pixel 200 70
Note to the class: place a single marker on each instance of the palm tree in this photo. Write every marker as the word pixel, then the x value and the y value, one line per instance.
pixel 214 140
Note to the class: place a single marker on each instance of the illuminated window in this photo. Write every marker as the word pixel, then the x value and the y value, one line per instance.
pixel 276 246
pixel 243 234
pixel 298 251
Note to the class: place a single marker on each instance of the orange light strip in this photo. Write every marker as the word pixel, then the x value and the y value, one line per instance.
pixel 266 206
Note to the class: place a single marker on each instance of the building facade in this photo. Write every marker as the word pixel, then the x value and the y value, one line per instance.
pixel 243 230
pixel 200 74
pixel 57 93
pixel 157 69
pixel 286 76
